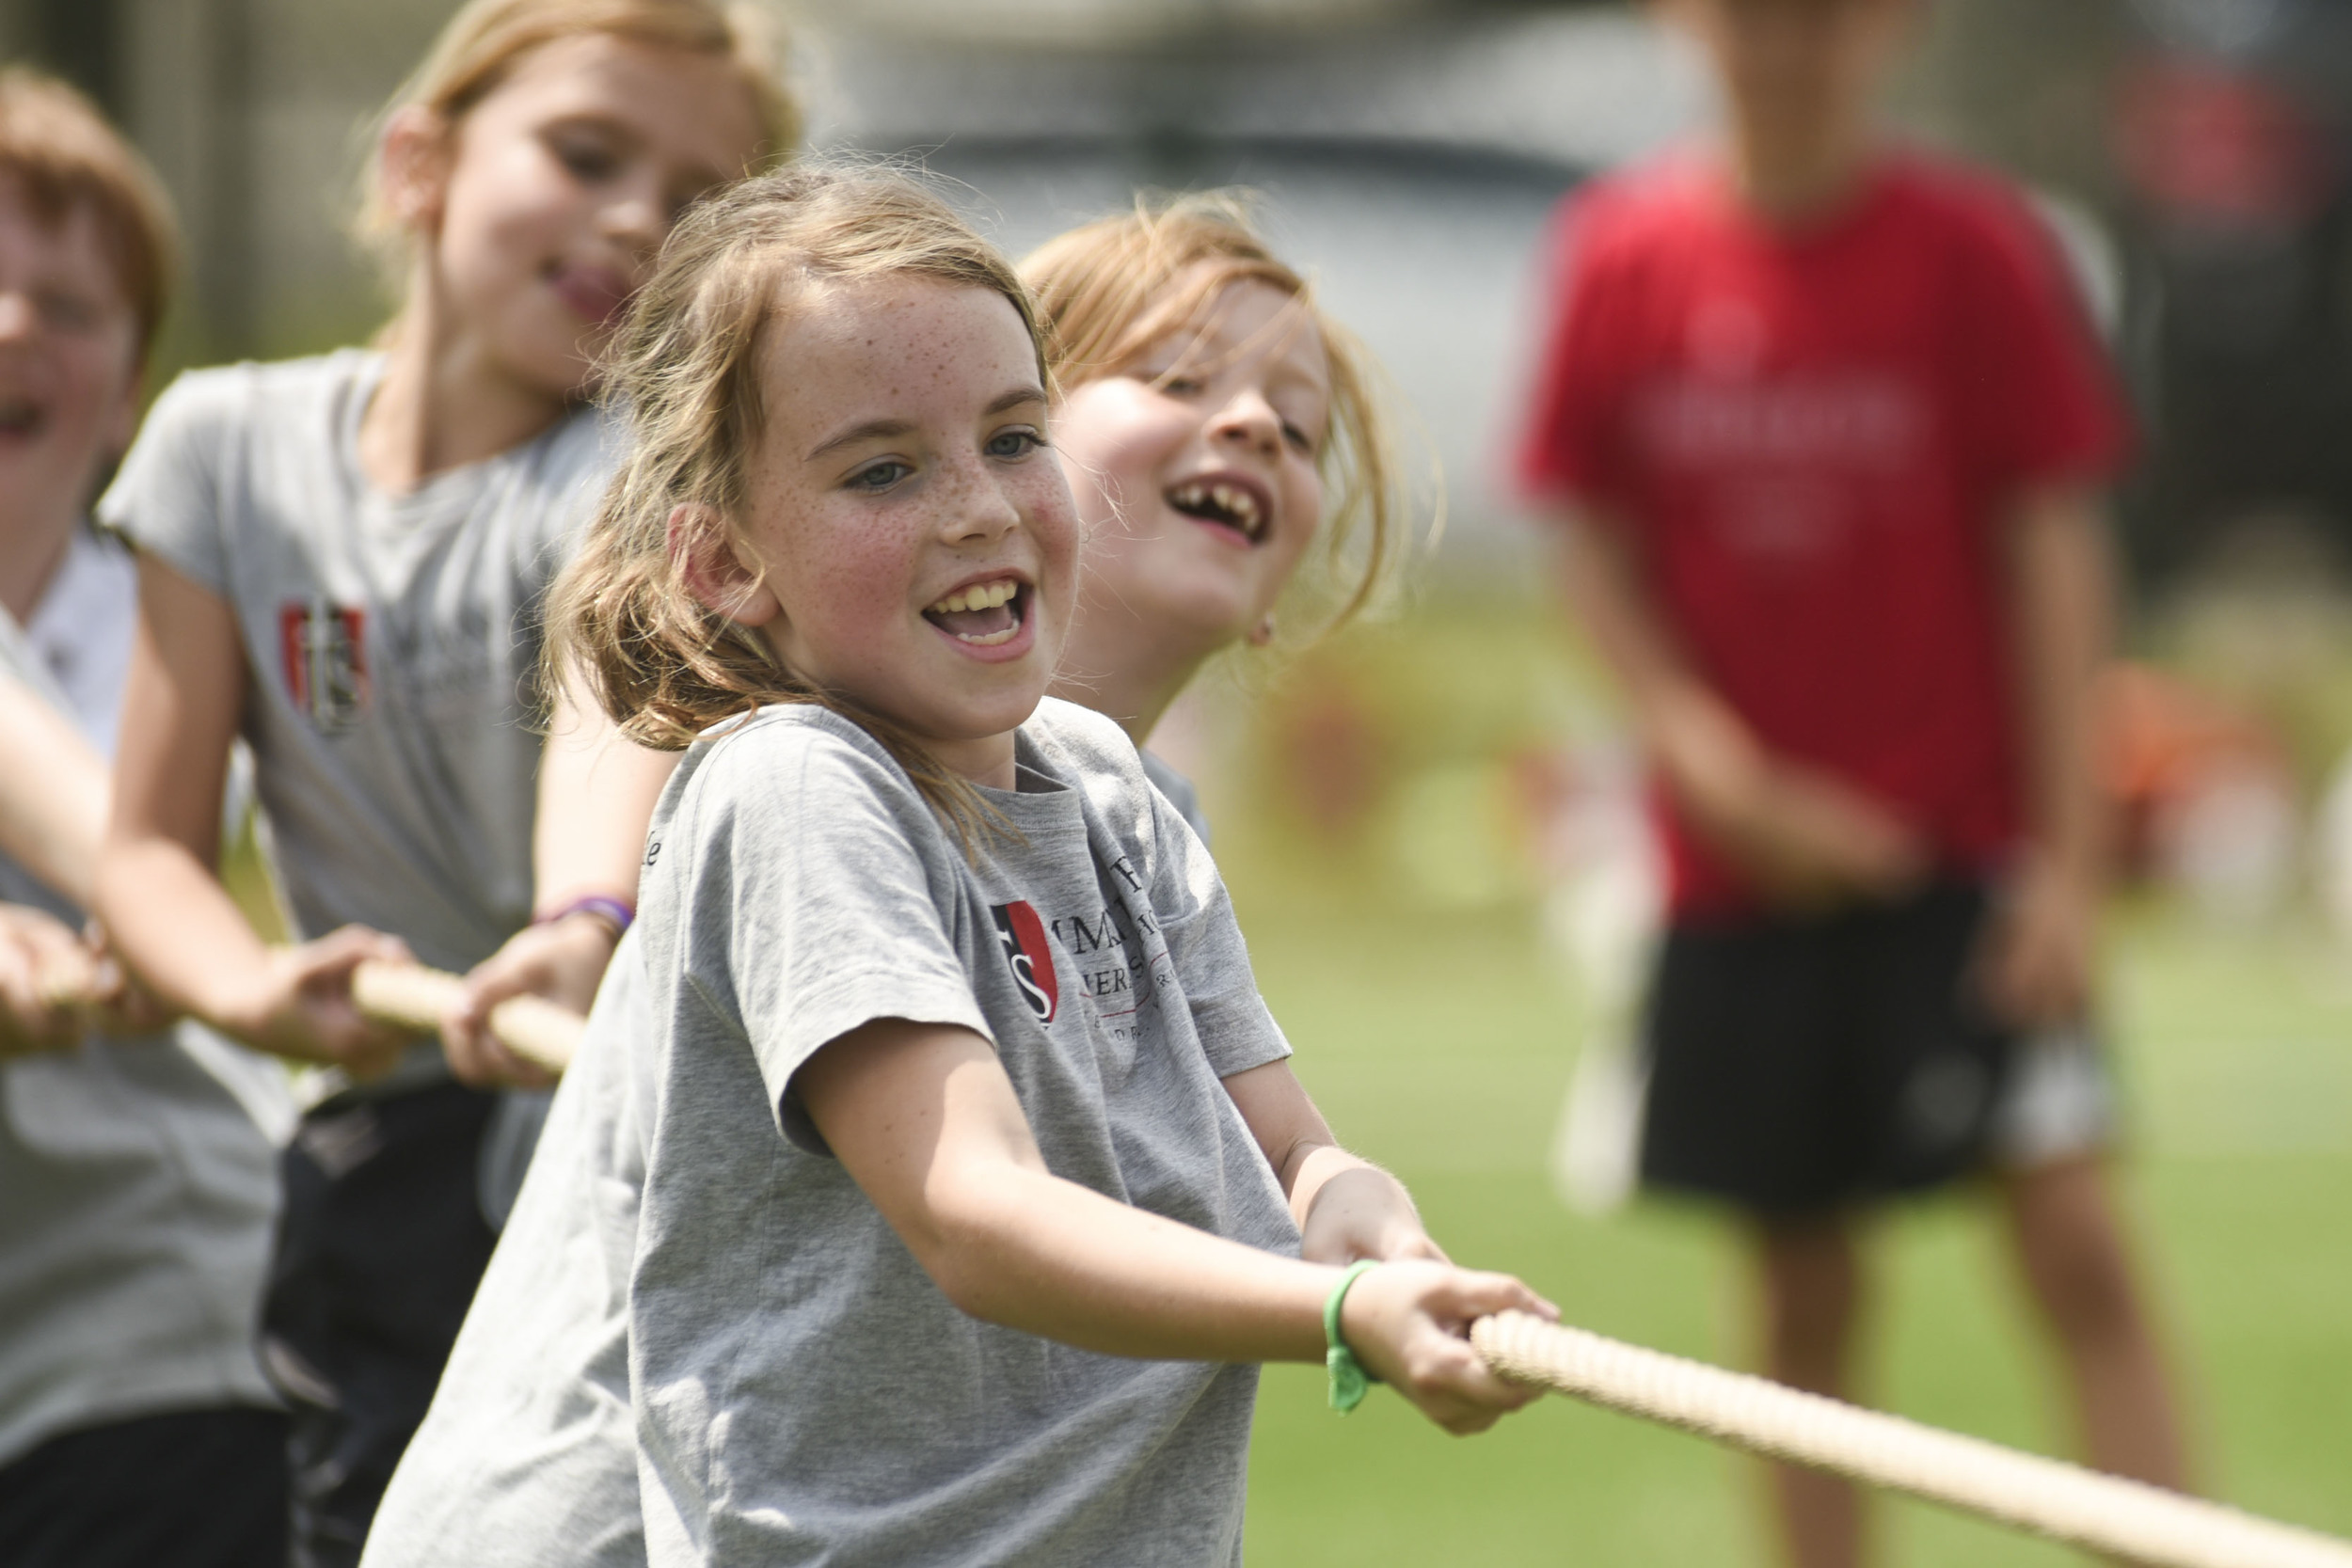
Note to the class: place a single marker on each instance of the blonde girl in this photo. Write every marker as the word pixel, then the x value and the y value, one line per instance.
pixel 1219 431
pixel 342 558
pixel 975 1170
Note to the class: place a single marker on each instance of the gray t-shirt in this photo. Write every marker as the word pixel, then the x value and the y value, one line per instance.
pixel 391 641
pixel 803 1391
pixel 138 1179
pixel 528 1458
pixel 532 1423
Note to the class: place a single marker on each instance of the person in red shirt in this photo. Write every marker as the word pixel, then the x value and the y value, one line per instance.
pixel 1824 432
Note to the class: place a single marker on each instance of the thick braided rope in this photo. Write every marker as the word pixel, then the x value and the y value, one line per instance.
pixel 414 997
pixel 2063 1502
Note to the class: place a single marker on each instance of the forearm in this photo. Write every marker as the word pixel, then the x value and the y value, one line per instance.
pixel 1699 745
pixel 176 927
pixel 597 795
pixel 2062 626
pixel 1026 1250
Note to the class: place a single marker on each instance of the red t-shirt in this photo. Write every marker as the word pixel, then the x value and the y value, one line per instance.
pixel 1810 436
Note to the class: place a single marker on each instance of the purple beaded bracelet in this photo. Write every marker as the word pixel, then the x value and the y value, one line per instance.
pixel 612 912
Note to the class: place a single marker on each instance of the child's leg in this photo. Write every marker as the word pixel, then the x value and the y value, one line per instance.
pixel 1810 1290
pixel 2077 1264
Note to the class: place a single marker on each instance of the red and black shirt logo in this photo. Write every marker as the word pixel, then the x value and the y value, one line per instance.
pixel 1021 935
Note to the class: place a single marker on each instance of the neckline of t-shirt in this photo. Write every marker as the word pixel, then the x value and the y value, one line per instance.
pixel 1826 226
pixel 434 495
pixel 1033 776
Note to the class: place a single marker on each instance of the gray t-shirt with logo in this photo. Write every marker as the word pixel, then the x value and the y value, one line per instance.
pixel 529 1456
pixel 391 641
pixel 802 1392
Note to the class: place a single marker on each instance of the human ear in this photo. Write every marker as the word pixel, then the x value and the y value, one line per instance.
pixel 711 570
pixel 412 165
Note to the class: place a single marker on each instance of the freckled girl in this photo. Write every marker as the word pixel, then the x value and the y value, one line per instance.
pixel 936 1257
pixel 1219 432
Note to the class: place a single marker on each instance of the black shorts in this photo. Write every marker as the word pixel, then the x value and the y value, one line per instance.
pixel 184 1489
pixel 1796 1066
pixel 380 1247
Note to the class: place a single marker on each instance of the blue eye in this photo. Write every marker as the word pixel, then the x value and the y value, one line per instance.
pixel 879 476
pixel 1015 443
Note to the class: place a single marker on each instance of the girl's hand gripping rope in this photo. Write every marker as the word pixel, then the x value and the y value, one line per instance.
pixel 562 959
pixel 301 1005
pixel 45 974
pixel 1408 1323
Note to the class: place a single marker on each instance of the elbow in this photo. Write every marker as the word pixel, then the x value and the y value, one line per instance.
pixel 965 1242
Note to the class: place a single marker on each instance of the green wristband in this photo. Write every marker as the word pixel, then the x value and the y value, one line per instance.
pixel 1349 1380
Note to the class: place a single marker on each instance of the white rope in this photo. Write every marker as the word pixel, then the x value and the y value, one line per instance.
pixel 2065 1503
pixel 414 997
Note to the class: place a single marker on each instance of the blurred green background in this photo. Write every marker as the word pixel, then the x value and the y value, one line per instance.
pixel 1398 937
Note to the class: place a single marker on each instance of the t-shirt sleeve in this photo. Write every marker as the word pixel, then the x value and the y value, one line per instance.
pixel 818 904
pixel 1572 443
pixel 2043 405
pixel 166 497
pixel 1205 944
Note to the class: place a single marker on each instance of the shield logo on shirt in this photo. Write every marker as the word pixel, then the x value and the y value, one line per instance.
pixel 323 649
pixel 1021 935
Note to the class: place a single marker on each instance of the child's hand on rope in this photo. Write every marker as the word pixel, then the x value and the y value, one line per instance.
pixel 46 978
pixel 562 961
pixel 301 1005
pixel 1408 1322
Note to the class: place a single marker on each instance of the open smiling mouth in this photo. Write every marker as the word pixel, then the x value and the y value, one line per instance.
pixel 1232 506
pixel 984 614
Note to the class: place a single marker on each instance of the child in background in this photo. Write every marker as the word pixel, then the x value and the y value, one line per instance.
pixel 1204 403
pixel 342 558
pixel 1826 435
pixel 136 1186
pixel 929 1204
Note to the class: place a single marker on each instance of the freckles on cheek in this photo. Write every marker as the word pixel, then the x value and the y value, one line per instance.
pixel 852 598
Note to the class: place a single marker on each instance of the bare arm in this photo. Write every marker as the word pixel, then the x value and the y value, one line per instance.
pixel 2062 604
pixel 157 893
pixel 1347 1207
pixel 53 815
pixel 597 795
pixel 1804 837
pixel 925 1120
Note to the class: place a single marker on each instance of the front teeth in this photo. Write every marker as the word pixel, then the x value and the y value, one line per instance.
pixel 983 596
pixel 1236 503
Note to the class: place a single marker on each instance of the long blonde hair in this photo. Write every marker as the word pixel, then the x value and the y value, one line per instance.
pixel 481 45
pixel 685 365
pixel 1110 290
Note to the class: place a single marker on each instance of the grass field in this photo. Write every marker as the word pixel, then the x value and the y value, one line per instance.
pixel 1442 1046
